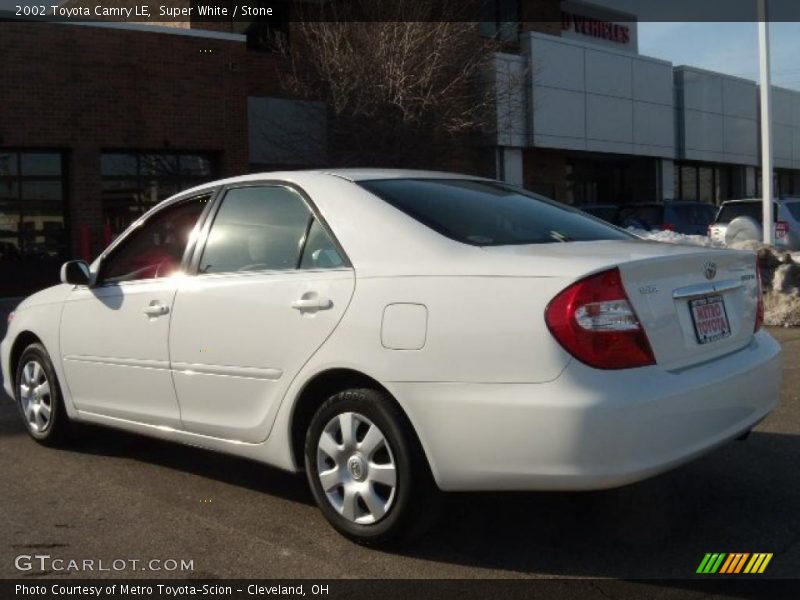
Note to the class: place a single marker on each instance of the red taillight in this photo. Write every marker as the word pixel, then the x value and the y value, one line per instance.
pixel 708 230
pixel 667 227
pixel 759 301
pixel 594 321
pixel 781 229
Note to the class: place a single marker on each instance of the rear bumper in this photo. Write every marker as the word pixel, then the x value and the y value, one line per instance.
pixel 590 429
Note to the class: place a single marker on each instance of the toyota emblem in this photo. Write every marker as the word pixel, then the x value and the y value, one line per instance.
pixel 710 270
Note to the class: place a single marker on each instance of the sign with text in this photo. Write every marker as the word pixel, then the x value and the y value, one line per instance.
pixel 598 25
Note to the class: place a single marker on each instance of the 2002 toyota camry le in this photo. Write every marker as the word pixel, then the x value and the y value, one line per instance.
pixel 398 333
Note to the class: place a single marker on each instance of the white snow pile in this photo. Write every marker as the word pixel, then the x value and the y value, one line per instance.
pixel 780 273
pixel 673 237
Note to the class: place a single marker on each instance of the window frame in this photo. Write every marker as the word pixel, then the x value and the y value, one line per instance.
pixel 193 266
pixel 212 191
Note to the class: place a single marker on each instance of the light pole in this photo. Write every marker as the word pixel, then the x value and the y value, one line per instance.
pixel 766 121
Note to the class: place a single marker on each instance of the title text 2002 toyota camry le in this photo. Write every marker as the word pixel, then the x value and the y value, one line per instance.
pixel 397 333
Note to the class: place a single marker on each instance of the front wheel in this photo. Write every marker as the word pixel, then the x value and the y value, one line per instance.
pixel 39 398
pixel 367 470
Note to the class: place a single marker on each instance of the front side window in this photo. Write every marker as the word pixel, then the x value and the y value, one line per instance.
pixel 488 213
pixel 266 228
pixel 155 249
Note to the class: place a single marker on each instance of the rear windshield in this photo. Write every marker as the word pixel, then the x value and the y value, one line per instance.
pixel 692 214
pixel 743 209
pixel 794 209
pixel 485 213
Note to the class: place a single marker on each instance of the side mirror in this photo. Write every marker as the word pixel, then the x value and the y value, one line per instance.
pixel 75 272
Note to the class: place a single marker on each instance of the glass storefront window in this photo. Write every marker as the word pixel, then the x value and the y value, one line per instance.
pixel 40 164
pixel 33 241
pixel 705 181
pixel 688 183
pixel 134 182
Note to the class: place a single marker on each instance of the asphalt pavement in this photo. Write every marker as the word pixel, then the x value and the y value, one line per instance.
pixel 114 495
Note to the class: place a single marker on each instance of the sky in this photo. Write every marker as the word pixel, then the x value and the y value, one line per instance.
pixel 730 48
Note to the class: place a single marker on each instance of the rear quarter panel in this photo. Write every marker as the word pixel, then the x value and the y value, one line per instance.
pixel 479 329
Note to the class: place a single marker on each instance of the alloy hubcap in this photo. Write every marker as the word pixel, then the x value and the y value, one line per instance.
pixel 356 468
pixel 34 392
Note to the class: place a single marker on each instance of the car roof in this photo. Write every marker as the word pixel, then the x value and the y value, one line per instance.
pixel 669 203
pixel 371 174
pixel 353 175
pixel 779 199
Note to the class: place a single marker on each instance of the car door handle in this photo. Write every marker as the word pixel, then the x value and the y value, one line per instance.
pixel 312 301
pixel 156 309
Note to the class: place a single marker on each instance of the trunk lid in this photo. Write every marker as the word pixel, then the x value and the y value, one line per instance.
pixel 694 307
pixel 663 281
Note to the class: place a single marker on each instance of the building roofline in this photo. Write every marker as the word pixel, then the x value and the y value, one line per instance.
pixel 142 27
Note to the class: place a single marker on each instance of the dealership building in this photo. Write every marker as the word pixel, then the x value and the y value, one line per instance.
pixel 597 122
pixel 100 121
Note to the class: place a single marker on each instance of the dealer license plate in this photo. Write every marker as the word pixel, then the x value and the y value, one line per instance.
pixel 710 319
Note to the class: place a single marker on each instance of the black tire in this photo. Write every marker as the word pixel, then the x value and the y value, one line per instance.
pixel 415 502
pixel 58 428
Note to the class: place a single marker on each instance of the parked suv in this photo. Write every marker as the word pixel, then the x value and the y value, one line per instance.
pixel 742 219
pixel 690 218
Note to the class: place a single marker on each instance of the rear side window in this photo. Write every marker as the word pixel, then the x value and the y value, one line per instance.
pixel 743 209
pixel 485 213
pixel 266 228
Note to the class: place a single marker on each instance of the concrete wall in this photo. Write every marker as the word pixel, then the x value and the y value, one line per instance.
pixel 785 128
pixel 716 117
pixel 582 97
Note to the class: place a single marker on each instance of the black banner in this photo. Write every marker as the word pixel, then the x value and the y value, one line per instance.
pixel 350 589
pixel 244 11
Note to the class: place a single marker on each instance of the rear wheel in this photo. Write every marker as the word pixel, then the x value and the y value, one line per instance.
pixel 39 397
pixel 367 470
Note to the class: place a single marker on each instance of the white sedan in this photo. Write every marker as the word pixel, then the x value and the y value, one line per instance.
pixel 398 333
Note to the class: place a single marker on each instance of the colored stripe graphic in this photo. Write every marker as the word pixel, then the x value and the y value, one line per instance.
pixel 711 563
pixel 703 563
pixel 734 563
pixel 727 564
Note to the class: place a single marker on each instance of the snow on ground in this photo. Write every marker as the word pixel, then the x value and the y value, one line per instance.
pixel 780 273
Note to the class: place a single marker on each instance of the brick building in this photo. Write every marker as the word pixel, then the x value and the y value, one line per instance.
pixel 98 122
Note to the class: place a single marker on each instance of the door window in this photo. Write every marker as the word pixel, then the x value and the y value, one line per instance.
pixel 156 248
pixel 266 228
pixel 319 251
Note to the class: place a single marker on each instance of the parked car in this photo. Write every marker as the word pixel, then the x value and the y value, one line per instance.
pixel 689 218
pixel 743 220
pixel 607 212
pixel 398 333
